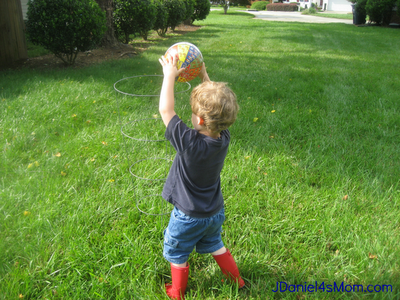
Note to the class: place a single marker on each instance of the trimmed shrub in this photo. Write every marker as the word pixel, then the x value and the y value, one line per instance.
pixel 398 7
pixel 240 3
pixel 135 17
pixel 189 8
pixel 309 11
pixel 161 23
pixel 380 11
pixel 201 10
pixel 260 5
pixel 282 7
pixel 176 12
pixel 65 27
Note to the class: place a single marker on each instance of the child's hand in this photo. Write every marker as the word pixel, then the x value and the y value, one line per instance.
pixel 170 68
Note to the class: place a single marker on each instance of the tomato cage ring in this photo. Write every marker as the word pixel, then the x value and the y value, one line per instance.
pixel 144 178
pixel 151 95
pixel 138 135
pixel 141 139
pixel 150 214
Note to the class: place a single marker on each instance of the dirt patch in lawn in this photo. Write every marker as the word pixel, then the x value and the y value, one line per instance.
pixel 95 56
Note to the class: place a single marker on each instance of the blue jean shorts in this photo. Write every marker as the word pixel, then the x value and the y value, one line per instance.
pixel 184 233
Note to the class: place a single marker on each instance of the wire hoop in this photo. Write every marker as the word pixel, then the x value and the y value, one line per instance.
pixel 149 179
pixel 138 95
pixel 137 139
pixel 124 132
pixel 147 213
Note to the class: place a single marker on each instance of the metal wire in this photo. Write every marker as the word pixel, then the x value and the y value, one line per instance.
pixel 149 214
pixel 150 179
pixel 137 95
pixel 167 146
pixel 136 139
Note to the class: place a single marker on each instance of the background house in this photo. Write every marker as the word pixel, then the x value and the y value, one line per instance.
pixel 332 5
pixel 337 5
pixel 329 5
pixel 24 4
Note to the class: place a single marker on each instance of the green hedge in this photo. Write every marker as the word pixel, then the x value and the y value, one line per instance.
pixel 135 17
pixel 65 27
pixel 161 24
pixel 282 7
pixel 201 10
pixel 176 12
pixel 189 10
pixel 380 11
pixel 260 5
pixel 398 7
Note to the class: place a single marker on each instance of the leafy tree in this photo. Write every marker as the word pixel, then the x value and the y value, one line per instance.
pixel 135 17
pixel 224 3
pixel 189 10
pixel 176 12
pixel 201 10
pixel 398 7
pixel 259 5
pixel 380 11
pixel 65 27
pixel 161 23
pixel 109 38
pixel 240 2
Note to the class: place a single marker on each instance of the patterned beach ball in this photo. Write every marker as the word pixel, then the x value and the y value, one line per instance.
pixel 189 57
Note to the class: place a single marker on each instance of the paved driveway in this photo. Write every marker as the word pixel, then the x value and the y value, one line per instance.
pixel 294 16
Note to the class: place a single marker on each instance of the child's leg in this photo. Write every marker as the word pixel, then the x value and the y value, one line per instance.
pixel 179 274
pixel 180 238
pixel 219 251
pixel 228 265
pixel 184 265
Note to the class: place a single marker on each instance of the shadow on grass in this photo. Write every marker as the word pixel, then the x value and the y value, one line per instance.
pixel 307 113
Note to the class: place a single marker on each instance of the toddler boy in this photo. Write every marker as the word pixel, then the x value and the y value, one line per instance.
pixel 193 184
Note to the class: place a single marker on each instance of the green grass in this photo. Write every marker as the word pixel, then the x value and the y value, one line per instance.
pixel 311 182
pixel 35 50
pixel 348 16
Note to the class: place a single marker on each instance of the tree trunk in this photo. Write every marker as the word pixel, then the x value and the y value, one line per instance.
pixel 12 33
pixel 109 39
pixel 225 8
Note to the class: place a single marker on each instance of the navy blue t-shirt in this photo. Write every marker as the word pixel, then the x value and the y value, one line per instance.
pixel 193 184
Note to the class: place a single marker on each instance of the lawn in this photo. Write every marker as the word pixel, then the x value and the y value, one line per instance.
pixel 311 181
pixel 348 16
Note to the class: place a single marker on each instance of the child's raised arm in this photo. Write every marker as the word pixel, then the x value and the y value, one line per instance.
pixel 167 101
pixel 203 74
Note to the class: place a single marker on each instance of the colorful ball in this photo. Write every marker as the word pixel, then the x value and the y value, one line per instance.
pixel 189 57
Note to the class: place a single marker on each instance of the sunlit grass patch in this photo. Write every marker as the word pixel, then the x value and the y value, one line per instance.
pixel 311 181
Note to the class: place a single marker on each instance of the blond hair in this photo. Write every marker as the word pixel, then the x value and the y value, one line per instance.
pixel 216 103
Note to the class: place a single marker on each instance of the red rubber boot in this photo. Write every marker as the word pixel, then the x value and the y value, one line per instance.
pixel 180 276
pixel 229 267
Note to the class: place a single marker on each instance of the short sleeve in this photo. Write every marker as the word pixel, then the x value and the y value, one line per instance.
pixel 179 134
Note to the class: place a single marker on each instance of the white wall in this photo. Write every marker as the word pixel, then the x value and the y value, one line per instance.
pixel 333 5
pixel 24 5
pixel 339 5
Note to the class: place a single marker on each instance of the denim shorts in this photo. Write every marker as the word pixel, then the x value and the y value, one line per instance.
pixel 184 233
